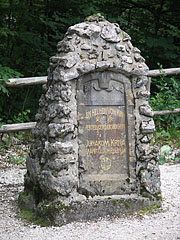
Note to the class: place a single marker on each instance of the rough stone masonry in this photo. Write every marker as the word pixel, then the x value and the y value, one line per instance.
pixel 94 152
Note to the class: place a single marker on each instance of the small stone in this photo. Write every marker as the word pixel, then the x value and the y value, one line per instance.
pixel 144 139
pixel 127 59
pixel 126 37
pixel 85 30
pixel 86 66
pixel 140 81
pixel 103 65
pixel 146 110
pixel 109 34
pixel 69 75
pixel 143 94
pixel 147 126
pixel 85 47
pixel 120 47
pixel 136 50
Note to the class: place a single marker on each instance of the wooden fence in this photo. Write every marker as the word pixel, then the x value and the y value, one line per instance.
pixel 15 82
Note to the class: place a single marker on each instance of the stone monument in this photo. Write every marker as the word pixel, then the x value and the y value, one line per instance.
pixel 94 152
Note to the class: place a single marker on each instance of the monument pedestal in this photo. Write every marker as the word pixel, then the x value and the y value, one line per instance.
pixel 94 208
pixel 94 153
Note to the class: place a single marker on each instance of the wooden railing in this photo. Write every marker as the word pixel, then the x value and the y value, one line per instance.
pixel 15 82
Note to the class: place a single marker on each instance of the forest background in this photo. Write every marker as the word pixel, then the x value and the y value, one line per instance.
pixel 31 29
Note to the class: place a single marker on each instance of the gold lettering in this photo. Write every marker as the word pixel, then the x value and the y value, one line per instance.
pixel 105 127
pixel 101 143
pixel 105 150
pixel 104 111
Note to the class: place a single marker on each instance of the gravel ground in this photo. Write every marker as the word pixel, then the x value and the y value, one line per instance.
pixel 163 225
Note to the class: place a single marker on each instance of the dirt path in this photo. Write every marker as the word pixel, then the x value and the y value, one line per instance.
pixel 161 226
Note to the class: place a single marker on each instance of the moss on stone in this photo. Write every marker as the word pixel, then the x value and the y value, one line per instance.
pixel 62 206
pixel 26 201
pixel 123 34
pixel 114 202
pixel 96 17
pixel 127 205
pixel 31 217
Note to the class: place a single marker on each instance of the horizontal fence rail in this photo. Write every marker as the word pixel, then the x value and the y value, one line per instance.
pixel 16 82
pixel 17 127
pixel 177 110
pixel 29 126
pixel 168 71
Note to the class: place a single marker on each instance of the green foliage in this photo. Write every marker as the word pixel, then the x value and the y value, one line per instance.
pixel 30 30
pixel 21 117
pixel 5 74
pixel 167 155
pixel 16 159
pixel 30 217
pixel 148 211
pixel 166 97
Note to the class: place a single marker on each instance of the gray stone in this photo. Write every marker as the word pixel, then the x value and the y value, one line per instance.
pixel 53 185
pixel 85 47
pixel 145 139
pixel 68 61
pixel 86 66
pixel 120 47
pixel 103 65
pixel 140 81
pixel 67 76
pixel 55 109
pixel 95 18
pixel 65 47
pixel 177 154
pixel 109 34
pixel 93 208
pixel 85 30
pixel 136 50
pixel 94 153
pixel 143 95
pixel 127 59
pixel 148 126
pixel 146 110
pixel 60 130
pixel 126 37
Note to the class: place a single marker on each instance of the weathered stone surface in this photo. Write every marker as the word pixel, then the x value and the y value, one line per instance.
pixel 143 95
pixel 103 65
pixel 140 81
pixel 144 139
pixel 62 185
pixel 65 47
pixel 55 109
pixel 127 59
pixel 150 180
pixel 146 110
pixel 94 132
pixel 110 33
pixel 60 130
pixel 120 47
pixel 67 76
pixel 86 66
pixel 85 30
pixel 85 47
pixel 93 209
pixel 148 126
pixel 68 61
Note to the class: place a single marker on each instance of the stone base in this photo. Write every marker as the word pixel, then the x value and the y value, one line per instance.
pixel 93 208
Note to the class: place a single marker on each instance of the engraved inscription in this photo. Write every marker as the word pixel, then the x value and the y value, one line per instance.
pixel 104 130
pixel 103 138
